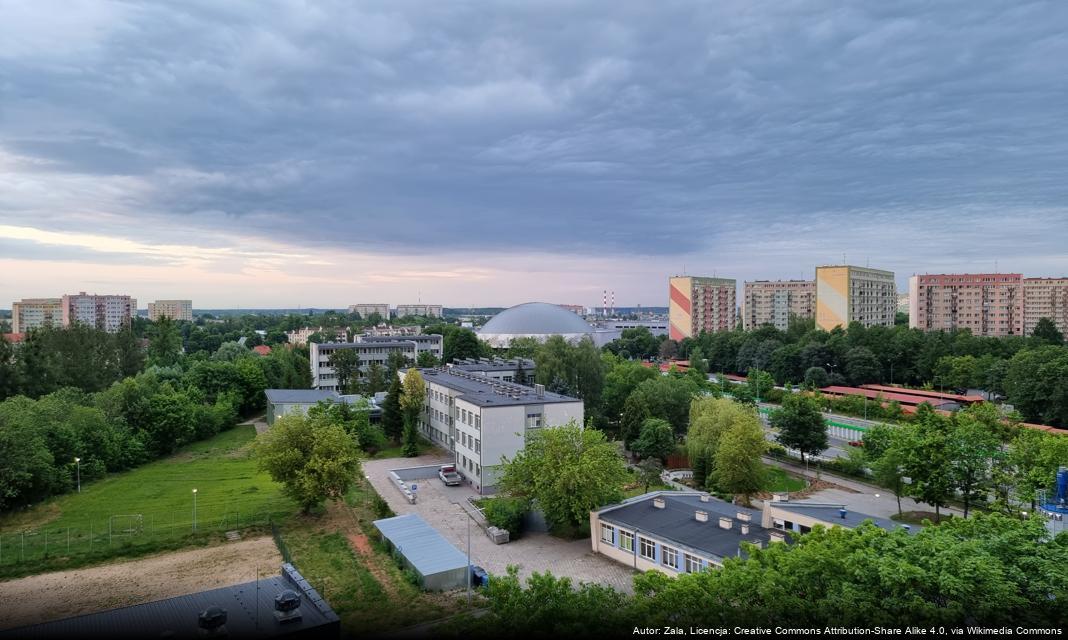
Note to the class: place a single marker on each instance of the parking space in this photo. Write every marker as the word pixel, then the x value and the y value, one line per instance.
pixel 439 506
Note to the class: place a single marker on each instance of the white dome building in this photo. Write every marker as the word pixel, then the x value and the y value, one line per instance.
pixel 535 320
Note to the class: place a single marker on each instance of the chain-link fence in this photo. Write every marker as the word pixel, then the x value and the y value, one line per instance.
pixel 73 540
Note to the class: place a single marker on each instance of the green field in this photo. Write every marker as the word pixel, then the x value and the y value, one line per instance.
pixel 779 481
pixel 146 509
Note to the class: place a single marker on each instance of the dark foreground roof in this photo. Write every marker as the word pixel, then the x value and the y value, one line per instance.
pixel 249 608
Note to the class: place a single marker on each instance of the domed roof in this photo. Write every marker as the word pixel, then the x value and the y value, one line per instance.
pixel 536 318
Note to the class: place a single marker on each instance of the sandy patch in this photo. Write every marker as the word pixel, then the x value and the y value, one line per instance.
pixel 62 594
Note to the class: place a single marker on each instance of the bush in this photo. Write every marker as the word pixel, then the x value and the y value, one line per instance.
pixel 412 578
pixel 506 513
pixel 381 507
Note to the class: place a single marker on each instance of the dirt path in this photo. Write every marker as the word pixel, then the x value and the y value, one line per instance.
pixel 62 594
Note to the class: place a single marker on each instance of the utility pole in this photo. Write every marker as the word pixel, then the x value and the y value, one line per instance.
pixel 78 466
pixel 194 509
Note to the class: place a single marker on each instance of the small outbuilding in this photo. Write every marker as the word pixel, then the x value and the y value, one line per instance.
pixel 439 565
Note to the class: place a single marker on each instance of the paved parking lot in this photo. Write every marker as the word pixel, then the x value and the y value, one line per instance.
pixel 533 552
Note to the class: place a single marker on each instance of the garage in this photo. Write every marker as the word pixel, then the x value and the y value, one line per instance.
pixel 439 565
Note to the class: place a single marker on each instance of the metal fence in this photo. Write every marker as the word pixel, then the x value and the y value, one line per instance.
pixel 114 533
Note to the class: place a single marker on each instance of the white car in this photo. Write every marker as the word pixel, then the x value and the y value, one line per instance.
pixel 449 475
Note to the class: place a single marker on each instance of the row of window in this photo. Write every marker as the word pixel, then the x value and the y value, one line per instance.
pixel 669 556
pixel 471 443
pixel 471 466
pixel 471 419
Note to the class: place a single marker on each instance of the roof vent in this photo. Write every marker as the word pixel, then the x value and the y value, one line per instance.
pixel 212 622
pixel 776 536
pixel 744 528
pixel 701 516
pixel 743 516
pixel 658 503
pixel 287 607
pixel 780 497
pixel 842 513
pixel 725 523
pixel 706 498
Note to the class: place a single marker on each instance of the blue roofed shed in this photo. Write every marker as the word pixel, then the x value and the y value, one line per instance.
pixel 439 565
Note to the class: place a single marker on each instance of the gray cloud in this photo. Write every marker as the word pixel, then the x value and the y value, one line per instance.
pixel 798 129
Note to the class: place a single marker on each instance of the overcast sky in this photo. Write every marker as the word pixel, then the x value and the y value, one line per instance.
pixel 290 153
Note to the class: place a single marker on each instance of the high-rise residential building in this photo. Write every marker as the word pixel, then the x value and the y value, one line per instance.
pixel 774 301
pixel 366 309
pixel 1045 298
pixel 108 313
pixel 33 313
pixel 697 304
pixel 480 420
pixel 845 294
pixel 428 310
pixel 903 302
pixel 989 304
pixel 173 309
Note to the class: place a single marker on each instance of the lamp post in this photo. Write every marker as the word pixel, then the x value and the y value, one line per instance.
pixel 194 509
pixel 78 470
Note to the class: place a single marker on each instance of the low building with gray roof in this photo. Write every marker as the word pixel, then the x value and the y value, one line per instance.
pixel 801 516
pixel 282 402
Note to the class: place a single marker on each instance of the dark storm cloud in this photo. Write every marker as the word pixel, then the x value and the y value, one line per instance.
pixel 617 128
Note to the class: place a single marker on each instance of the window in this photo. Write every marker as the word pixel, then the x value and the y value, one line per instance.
pixel 608 533
pixel 693 564
pixel 626 540
pixel 669 557
pixel 646 548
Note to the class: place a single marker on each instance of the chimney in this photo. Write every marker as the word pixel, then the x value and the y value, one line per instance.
pixel 743 516
pixel 701 516
pixel 725 523
pixel 776 536
pixel 287 607
pixel 745 528
pixel 705 497
pixel 658 503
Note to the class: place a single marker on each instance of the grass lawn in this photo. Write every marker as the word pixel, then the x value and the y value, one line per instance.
pixel 918 517
pixel 780 482
pixel 396 450
pixel 151 508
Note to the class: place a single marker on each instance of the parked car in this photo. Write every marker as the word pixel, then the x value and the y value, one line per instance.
pixel 856 443
pixel 449 475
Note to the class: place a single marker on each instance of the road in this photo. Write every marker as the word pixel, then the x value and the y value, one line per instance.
pixel 839 446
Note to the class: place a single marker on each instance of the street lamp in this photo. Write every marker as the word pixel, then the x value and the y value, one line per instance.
pixel 78 467
pixel 194 509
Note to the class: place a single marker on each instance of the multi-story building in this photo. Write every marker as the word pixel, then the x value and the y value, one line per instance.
pixel 173 309
pixel 903 302
pixel 34 313
pixel 847 294
pixel 301 336
pixel 369 349
pixel 428 310
pixel 989 304
pixel 774 301
pixel 365 310
pixel 697 305
pixel 391 330
pixel 481 420
pixel 108 312
pixel 1045 298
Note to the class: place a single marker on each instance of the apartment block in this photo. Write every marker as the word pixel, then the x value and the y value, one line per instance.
pixel 989 304
pixel 34 313
pixel 108 312
pixel 173 309
pixel 1045 298
pixel 846 293
pixel 480 420
pixel 369 349
pixel 774 301
pixel 428 310
pixel 365 310
pixel 697 304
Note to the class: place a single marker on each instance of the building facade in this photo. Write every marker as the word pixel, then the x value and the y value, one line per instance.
pixel 989 304
pixel 109 313
pixel 366 309
pixel 173 309
pixel 847 294
pixel 517 370
pixel 1045 298
pixel 34 313
pixel 428 310
pixel 481 420
pixel 774 301
pixel 697 305
pixel 283 402
pixel 369 349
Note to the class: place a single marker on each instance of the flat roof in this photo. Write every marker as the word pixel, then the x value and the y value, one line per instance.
pixel 495 364
pixel 249 614
pixel 677 523
pixel 902 398
pixel 831 513
pixel 390 342
pixel 955 397
pixel 299 396
pixel 487 392
pixel 421 544
pixel 431 337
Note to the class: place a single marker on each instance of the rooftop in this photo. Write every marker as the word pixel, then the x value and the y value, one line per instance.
pixel 487 392
pixel 832 513
pixel 492 364
pixel 426 549
pixel 676 522
pixel 299 396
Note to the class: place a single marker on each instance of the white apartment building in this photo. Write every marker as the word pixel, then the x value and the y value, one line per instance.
pixel 108 312
pixel 369 349
pixel 428 310
pixel 34 313
pixel 366 309
pixel 481 420
pixel 1045 298
pixel 301 336
pixel 173 309
pixel 774 301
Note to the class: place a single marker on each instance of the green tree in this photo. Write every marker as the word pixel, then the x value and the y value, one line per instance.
pixel 230 352
pixel 861 366
pixel 816 378
pixel 313 458
pixel 760 383
pixel 800 425
pixel 346 366
pixel 710 418
pixel 392 415
pixel 649 471
pixel 973 447
pixel 666 397
pixel 1036 382
pixel 9 383
pixel 411 402
pixel 737 463
pixel 656 439
pixel 572 369
pixel 886 459
pixel 376 379
pixel 426 359
pixel 926 452
pixel 1047 332
pixel 567 471
pixel 621 379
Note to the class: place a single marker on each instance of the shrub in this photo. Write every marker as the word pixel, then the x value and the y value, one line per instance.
pixel 381 507
pixel 506 513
